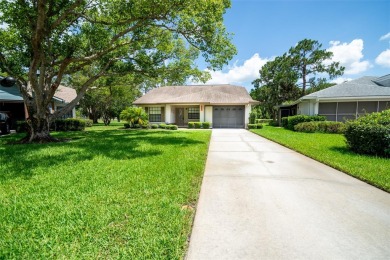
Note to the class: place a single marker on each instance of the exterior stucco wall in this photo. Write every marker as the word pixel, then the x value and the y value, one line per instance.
pixel 208 114
pixel 201 113
pixel 205 112
pixel 248 109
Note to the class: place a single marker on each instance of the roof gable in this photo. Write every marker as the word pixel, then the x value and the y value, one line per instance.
pixel 213 94
pixel 383 81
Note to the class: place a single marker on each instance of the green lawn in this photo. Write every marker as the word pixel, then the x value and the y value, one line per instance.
pixel 332 150
pixel 108 193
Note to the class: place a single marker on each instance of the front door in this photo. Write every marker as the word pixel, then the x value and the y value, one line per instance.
pixel 180 116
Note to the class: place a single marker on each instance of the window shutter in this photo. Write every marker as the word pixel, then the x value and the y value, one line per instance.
pixel 146 110
pixel 162 114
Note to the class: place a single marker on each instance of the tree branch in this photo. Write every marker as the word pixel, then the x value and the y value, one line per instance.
pixel 81 93
pixel 66 14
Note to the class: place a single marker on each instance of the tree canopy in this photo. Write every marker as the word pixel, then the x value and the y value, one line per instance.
pixel 284 79
pixel 44 41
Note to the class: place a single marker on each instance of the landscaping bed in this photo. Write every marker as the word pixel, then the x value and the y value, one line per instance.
pixel 331 149
pixel 108 193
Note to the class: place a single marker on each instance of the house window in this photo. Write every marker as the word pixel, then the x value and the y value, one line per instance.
pixel 193 113
pixel 155 114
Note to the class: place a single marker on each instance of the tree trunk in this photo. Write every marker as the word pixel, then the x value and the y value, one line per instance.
pixel 304 80
pixel 39 131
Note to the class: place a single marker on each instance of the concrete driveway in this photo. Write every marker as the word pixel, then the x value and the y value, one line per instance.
pixel 260 200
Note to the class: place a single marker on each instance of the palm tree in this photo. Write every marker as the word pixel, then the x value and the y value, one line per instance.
pixel 134 115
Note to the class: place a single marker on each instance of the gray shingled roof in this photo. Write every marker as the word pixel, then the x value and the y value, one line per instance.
pixel 63 93
pixel 361 87
pixel 209 94
pixel 10 94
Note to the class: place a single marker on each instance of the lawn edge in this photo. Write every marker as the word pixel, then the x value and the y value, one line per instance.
pixel 326 163
pixel 187 245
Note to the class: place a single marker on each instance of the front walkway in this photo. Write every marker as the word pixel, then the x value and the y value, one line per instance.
pixel 260 200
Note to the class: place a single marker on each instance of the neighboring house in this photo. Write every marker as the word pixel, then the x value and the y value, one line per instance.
pixel 11 101
pixel 63 96
pixel 344 101
pixel 224 106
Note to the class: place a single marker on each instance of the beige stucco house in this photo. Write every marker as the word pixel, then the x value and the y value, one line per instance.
pixel 224 106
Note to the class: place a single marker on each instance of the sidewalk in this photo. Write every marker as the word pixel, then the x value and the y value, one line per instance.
pixel 260 200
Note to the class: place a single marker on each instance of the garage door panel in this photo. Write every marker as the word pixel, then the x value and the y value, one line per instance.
pixel 229 117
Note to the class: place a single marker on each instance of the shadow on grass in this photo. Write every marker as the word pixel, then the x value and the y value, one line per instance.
pixel 342 150
pixel 346 150
pixel 22 160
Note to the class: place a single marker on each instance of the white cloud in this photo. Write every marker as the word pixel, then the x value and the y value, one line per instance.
pixel 385 37
pixel 247 72
pixel 340 80
pixel 350 56
pixel 384 58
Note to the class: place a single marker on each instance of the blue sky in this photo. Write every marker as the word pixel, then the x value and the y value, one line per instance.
pixel 358 32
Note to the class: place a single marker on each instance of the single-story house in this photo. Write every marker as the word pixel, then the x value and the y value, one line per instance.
pixel 344 101
pixel 224 106
pixel 11 101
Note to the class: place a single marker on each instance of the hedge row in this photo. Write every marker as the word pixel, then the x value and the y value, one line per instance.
pixel 262 120
pixel 198 125
pixel 168 127
pixel 70 124
pixel 291 121
pixel 321 126
pixel 370 134
pixel 255 126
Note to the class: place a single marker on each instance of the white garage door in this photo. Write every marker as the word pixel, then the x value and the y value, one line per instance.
pixel 228 116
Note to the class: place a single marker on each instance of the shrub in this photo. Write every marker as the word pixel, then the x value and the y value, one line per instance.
pixel 69 124
pixel 126 125
pixel 331 127
pixel 263 121
pixel 294 120
pixel 88 123
pixel 252 116
pixel 172 127
pixel 252 126
pixel 191 125
pixel 21 126
pixel 134 115
pixel 259 126
pixel 154 126
pixel 197 125
pixel 320 126
pixel 285 122
pixel 162 125
pixel 306 127
pixel 206 125
pixel 273 123
pixel 370 134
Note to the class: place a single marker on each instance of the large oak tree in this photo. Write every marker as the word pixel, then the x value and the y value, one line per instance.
pixel 43 41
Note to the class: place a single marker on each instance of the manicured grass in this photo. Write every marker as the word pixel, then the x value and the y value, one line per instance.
pixel 109 193
pixel 332 150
